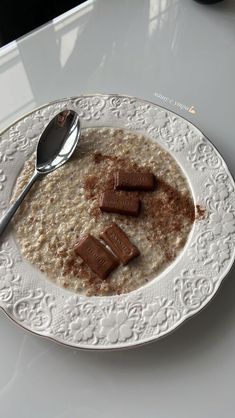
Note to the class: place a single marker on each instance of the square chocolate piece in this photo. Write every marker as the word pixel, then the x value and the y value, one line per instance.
pixel 119 243
pixel 96 256
pixel 120 203
pixel 134 180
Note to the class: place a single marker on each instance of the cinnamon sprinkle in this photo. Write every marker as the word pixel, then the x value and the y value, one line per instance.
pixel 200 212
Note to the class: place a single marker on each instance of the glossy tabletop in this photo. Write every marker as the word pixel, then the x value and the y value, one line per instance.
pixel 178 54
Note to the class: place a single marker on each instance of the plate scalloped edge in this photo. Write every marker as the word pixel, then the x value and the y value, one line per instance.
pixel 159 307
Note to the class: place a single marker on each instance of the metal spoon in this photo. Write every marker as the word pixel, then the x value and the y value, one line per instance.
pixel 55 147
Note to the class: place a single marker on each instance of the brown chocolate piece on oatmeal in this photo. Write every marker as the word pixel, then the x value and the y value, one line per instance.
pixel 119 243
pixel 96 256
pixel 134 180
pixel 119 203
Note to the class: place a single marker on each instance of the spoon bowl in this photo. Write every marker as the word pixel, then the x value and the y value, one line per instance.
pixel 58 141
pixel 55 146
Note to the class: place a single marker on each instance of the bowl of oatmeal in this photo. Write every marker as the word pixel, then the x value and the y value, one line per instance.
pixel 49 232
pixel 176 267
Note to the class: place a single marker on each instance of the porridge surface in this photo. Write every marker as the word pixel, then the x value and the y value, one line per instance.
pixel 64 206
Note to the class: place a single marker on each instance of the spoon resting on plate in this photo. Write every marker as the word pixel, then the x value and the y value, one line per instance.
pixel 56 145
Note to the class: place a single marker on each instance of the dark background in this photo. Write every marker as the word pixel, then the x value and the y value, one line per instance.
pixel 20 17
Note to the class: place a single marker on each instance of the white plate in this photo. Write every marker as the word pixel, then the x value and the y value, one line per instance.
pixel 179 292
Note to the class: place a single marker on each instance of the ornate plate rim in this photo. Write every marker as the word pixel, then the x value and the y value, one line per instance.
pixel 125 344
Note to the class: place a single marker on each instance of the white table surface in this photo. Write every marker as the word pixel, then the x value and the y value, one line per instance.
pixel 166 51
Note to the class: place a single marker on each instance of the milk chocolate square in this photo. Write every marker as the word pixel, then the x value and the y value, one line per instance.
pixel 134 180
pixel 119 243
pixel 120 203
pixel 96 256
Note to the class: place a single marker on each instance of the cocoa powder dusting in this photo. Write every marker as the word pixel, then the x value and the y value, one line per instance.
pixel 166 215
pixel 89 186
pixel 200 212
pixel 98 158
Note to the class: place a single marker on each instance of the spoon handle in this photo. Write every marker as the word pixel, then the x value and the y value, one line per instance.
pixel 13 208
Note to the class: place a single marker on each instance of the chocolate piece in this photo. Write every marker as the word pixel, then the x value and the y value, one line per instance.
pixel 96 256
pixel 119 243
pixel 119 203
pixel 134 180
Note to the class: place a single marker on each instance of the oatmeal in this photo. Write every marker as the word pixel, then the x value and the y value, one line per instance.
pixel 64 206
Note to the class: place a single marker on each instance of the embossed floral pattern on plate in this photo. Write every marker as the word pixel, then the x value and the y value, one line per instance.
pixel 156 309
